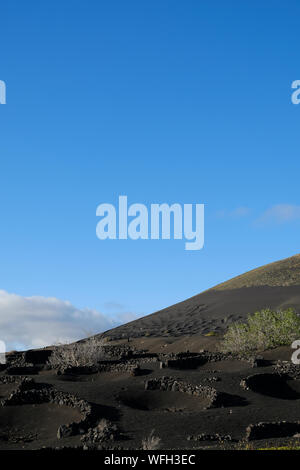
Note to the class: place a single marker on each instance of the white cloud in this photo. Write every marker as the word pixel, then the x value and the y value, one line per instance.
pixel 279 214
pixel 31 322
pixel 240 212
pixel 234 213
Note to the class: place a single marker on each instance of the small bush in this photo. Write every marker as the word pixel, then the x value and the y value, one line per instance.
pixel 104 431
pixel 264 330
pixel 151 442
pixel 84 354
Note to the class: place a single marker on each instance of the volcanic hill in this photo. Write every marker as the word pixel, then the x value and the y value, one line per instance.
pixel 162 373
pixel 275 285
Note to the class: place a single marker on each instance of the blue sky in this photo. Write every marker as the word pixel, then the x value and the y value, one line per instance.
pixel 163 101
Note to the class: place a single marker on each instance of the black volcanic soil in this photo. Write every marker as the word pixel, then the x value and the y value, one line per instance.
pixel 275 285
pixel 177 418
pixel 24 425
pixel 212 310
pixel 155 400
pixel 6 390
pixel 209 405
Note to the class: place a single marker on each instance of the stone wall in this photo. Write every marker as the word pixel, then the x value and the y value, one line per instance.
pixel 174 385
pixel 265 430
pixel 27 392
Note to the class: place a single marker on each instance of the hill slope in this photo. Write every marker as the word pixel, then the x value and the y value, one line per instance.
pixel 282 273
pixel 276 285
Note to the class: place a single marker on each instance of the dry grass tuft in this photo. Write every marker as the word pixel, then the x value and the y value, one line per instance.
pixel 84 354
pixel 151 442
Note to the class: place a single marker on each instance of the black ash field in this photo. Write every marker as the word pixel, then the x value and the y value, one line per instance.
pixel 162 381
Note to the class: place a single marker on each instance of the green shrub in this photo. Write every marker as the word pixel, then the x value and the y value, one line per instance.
pixel 266 329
